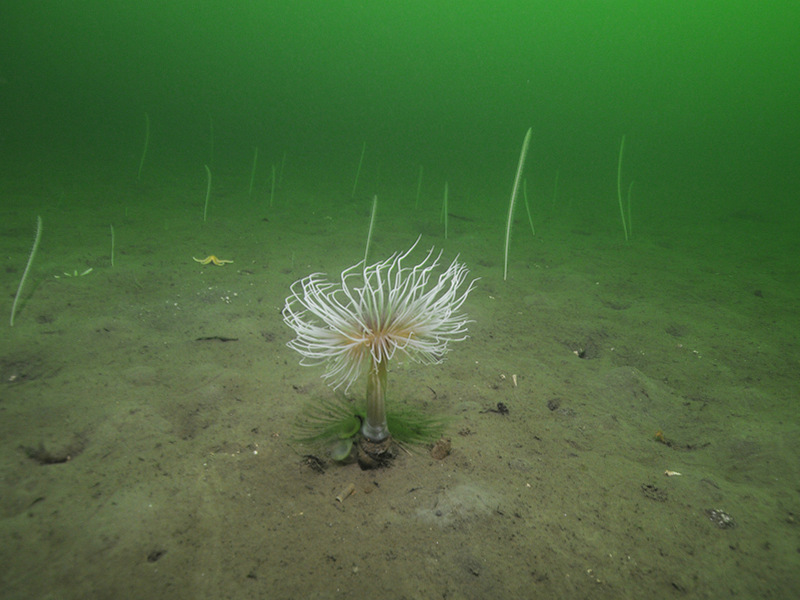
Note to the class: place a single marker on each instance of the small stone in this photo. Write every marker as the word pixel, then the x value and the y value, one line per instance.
pixel 441 449
pixel 720 518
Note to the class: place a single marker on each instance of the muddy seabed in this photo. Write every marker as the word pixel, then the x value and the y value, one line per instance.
pixel 147 409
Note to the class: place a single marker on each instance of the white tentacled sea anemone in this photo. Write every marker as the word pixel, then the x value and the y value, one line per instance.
pixel 360 323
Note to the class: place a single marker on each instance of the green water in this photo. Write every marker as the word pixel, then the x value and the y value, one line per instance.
pixel 166 386
pixel 706 92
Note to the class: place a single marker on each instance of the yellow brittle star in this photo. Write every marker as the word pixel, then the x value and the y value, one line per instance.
pixel 213 260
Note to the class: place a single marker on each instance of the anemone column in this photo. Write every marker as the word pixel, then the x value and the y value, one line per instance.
pixel 375 428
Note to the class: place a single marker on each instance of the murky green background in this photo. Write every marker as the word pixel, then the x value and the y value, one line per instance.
pixel 147 402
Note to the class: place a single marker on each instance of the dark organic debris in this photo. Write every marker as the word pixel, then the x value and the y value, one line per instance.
pixel 651 492
pixel 44 456
pixel 155 555
pixel 501 409
pixel 315 463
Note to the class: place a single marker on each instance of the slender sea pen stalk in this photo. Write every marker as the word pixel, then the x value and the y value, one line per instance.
pixel 35 247
pixel 619 188
pixel 253 172
pixel 112 246
pixel 527 208
pixel 371 225
pixel 208 192
pixel 520 166
pixel 358 171
pixel 146 143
